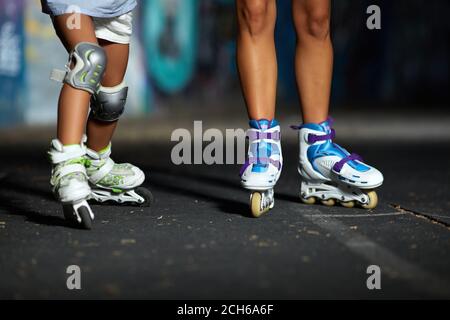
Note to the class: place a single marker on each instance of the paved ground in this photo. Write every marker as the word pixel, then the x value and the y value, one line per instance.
pixel 197 241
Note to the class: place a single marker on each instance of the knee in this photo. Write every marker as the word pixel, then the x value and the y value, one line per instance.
pixel 316 25
pixel 255 16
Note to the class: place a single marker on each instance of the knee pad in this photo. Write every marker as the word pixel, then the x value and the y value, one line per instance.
pixel 89 61
pixel 108 104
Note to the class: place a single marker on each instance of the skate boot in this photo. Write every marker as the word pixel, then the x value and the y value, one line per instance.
pixel 263 166
pixel 70 183
pixel 330 173
pixel 114 182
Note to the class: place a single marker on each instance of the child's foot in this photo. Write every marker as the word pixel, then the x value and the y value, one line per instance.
pixel 70 182
pixel 117 182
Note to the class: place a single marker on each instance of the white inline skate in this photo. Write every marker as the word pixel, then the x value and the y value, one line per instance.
pixel 330 173
pixel 263 166
pixel 114 182
pixel 70 182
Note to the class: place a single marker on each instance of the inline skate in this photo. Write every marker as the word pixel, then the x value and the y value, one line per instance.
pixel 262 168
pixel 70 182
pixel 330 174
pixel 115 182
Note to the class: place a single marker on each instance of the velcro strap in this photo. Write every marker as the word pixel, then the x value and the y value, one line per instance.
pixel 58 75
pixel 255 160
pixel 340 164
pixel 58 157
pixel 313 138
pixel 102 171
pixel 258 135
pixel 264 160
pixel 70 168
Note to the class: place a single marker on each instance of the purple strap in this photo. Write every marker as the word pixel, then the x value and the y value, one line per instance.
pixel 338 165
pixel 329 120
pixel 257 135
pixel 254 160
pixel 313 138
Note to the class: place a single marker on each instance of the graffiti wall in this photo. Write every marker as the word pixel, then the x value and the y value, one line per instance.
pixel 44 52
pixel 12 61
pixel 29 50
pixel 187 48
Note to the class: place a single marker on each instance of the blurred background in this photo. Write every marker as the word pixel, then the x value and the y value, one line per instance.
pixel 183 54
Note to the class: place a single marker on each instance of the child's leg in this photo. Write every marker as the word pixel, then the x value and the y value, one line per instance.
pixel 100 132
pixel 314 57
pixel 110 181
pixel 256 57
pixel 73 103
pixel 69 178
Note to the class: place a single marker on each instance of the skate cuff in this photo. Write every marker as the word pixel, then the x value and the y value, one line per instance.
pixel 58 157
pixel 313 138
pixel 258 135
pixel 340 164
pixel 102 154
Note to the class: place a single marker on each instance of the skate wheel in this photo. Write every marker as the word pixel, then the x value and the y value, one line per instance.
pixel 255 205
pixel 373 200
pixel 147 195
pixel 83 212
pixel 328 203
pixel 310 200
pixel 348 204
pixel 86 221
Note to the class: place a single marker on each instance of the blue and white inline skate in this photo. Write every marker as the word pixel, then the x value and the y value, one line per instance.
pixel 118 183
pixel 263 166
pixel 329 173
pixel 69 182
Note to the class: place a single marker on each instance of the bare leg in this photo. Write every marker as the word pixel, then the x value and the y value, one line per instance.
pixel 314 57
pixel 100 132
pixel 73 103
pixel 256 56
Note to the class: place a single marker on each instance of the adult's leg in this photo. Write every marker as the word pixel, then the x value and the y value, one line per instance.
pixel 100 132
pixel 313 58
pixel 73 104
pixel 256 57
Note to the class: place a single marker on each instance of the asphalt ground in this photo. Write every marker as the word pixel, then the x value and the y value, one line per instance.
pixel 197 241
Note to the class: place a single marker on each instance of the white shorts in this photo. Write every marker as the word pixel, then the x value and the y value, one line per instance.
pixel 117 29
